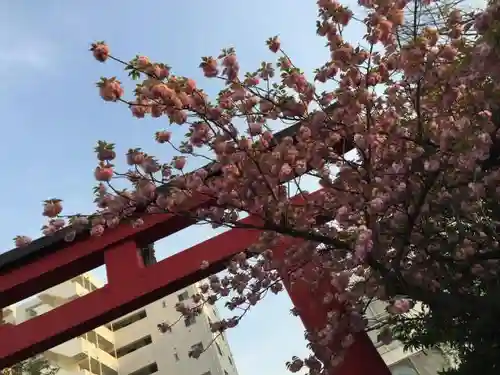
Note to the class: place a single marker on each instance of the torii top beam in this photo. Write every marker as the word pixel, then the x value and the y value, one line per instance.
pixel 22 260
pixel 50 261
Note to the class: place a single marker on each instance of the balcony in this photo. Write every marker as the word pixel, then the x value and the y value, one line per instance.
pixel 131 332
pixel 137 359
pixel 7 316
pixel 105 333
pixel 92 366
pixel 81 350
pixel 62 293
pixel 99 354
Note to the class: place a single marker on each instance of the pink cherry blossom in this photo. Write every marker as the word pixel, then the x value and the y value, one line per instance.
pixel 179 162
pixel 52 207
pixel 100 50
pixel 22 241
pixel 423 127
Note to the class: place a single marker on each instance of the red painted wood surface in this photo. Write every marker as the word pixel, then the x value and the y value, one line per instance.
pixel 77 258
pixel 362 358
pixel 132 286
pixel 129 287
pixel 121 296
pixel 137 286
pixel 73 259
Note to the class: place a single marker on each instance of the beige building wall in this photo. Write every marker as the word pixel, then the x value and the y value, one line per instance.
pixel 133 344
pixel 403 362
pixel 169 351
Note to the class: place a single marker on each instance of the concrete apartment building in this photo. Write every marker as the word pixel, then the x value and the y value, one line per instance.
pixel 403 362
pixel 133 344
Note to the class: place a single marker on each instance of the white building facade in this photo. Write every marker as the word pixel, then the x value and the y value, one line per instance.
pixel 133 344
pixel 402 362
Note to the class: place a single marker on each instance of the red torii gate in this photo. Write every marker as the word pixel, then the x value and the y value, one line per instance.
pixel 50 261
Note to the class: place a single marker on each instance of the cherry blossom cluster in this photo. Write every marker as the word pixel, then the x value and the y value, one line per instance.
pixel 409 216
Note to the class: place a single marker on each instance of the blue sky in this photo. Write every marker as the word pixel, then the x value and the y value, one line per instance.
pixel 52 115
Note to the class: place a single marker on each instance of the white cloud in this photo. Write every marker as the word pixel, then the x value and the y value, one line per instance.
pixel 27 59
pixel 27 46
pixel 34 54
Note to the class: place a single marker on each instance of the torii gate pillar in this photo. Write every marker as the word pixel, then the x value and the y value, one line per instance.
pixel 134 283
pixel 361 358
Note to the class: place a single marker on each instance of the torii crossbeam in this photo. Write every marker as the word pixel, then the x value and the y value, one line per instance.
pixel 50 261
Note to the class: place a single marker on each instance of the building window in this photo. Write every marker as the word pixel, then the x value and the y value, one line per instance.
pixel 218 349
pixel 207 373
pixel 164 304
pixel 176 356
pixel 403 368
pixel 378 344
pixel 225 372
pixel 124 350
pixel 128 320
pixel 230 360
pixel 146 370
pixel 196 350
pixel 85 283
pixel 198 346
pixel 189 320
pixel 183 296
